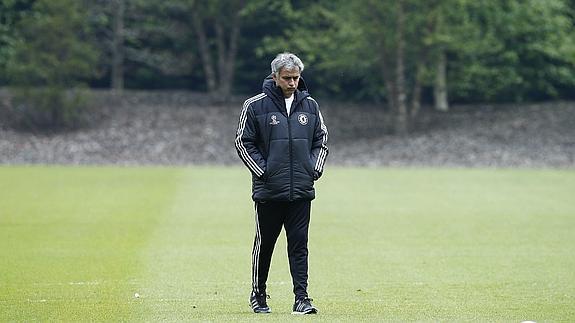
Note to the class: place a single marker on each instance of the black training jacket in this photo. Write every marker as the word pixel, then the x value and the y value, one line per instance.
pixel 284 153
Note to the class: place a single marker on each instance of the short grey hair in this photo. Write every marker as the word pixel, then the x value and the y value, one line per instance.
pixel 286 61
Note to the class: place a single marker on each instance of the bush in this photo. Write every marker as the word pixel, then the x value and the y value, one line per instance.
pixel 47 108
pixel 50 57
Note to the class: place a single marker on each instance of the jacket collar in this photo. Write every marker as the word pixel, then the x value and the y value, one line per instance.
pixel 275 92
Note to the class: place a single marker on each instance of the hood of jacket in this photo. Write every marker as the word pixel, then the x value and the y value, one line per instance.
pixel 273 91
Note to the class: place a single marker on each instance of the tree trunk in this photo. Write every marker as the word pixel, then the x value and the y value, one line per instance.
pixel 227 51
pixel 416 96
pixel 205 54
pixel 221 53
pixel 390 92
pixel 118 46
pixel 440 86
pixel 401 100
pixel 388 79
pixel 230 67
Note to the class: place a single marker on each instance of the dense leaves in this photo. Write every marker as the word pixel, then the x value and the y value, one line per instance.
pixel 402 52
pixel 49 56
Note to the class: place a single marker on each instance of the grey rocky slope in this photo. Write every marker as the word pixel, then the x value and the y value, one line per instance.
pixel 148 129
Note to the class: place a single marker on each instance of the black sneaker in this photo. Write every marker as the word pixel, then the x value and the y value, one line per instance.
pixel 303 306
pixel 258 303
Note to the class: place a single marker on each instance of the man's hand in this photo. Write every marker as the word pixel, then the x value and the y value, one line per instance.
pixel 316 175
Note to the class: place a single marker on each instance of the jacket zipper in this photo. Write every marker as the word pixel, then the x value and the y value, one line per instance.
pixel 290 159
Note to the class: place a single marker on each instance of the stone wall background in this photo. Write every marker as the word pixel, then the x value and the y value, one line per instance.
pixel 183 128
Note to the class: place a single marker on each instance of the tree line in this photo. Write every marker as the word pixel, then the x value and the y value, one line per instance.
pixel 403 53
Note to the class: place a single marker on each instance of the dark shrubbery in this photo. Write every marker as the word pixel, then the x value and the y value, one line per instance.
pixel 47 67
pixel 46 109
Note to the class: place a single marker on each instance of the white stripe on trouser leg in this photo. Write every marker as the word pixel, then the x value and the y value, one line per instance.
pixel 256 253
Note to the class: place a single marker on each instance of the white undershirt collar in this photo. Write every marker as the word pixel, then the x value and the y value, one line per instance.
pixel 288 103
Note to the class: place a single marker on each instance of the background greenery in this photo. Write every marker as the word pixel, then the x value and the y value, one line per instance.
pixel 385 244
pixel 404 53
pixel 496 51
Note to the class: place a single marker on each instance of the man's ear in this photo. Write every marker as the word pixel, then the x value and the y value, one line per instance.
pixel 274 78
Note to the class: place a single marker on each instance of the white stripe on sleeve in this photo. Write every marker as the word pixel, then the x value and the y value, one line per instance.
pixel 243 152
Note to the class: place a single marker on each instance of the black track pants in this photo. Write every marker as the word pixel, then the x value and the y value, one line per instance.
pixel 270 217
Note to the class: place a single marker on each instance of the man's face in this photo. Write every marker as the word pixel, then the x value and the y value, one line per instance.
pixel 287 81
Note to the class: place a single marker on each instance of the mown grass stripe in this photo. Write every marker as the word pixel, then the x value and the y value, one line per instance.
pixel 385 244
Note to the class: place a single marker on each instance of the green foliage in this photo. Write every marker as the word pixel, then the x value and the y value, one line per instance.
pixel 159 41
pixel 160 46
pixel 514 51
pixel 49 57
pixel 497 50
pixel 505 50
pixel 320 33
pixel 51 49
pixel 11 12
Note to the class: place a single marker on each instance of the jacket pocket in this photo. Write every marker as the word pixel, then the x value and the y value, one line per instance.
pixel 271 171
pixel 310 167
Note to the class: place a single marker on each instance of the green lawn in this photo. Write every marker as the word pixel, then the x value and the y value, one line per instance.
pixel 385 244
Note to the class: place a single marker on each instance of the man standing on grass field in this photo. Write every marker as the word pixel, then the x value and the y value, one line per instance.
pixel 281 138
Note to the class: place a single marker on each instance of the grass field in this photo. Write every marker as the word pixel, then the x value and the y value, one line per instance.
pixel 76 244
